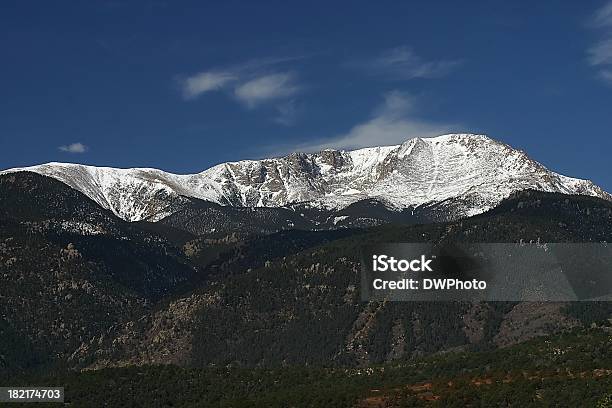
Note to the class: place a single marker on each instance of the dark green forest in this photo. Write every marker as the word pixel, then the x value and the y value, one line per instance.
pixel 573 369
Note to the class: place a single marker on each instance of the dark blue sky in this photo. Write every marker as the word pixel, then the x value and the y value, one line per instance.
pixel 127 84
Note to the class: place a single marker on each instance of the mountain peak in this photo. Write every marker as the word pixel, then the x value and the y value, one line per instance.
pixel 472 169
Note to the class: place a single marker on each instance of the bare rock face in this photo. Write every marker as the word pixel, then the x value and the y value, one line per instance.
pixel 533 319
pixel 471 173
pixel 474 322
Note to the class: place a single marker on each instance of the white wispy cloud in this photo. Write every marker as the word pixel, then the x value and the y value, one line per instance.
pixel 267 88
pixel 253 83
pixel 600 54
pixel 402 63
pixel 203 82
pixel 603 16
pixel 393 122
pixel 287 113
pixel 74 148
pixel 606 75
pixel 221 78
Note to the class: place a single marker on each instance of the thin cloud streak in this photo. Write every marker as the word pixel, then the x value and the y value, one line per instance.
pixel 603 16
pixel 252 84
pixel 203 82
pixel 402 63
pixel 74 148
pixel 218 79
pixel 393 122
pixel 287 113
pixel 606 75
pixel 266 88
pixel 600 54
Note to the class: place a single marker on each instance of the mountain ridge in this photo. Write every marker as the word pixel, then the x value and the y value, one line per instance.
pixel 88 290
pixel 471 173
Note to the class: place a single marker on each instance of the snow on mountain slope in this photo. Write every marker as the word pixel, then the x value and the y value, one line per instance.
pixel 471 169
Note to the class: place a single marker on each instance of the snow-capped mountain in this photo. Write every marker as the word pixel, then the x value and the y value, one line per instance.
pixel 472 173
